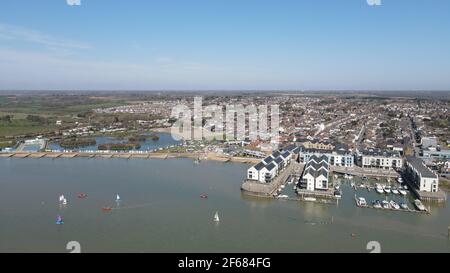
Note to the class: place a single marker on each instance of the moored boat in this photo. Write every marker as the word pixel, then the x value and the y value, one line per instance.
pixel 404 206
pixel 387 189
pixel 361 201
pixel 402 192
pixel 419 205
pixel 395 191
pixel 337 194
pixel 385 204
pixel 377 204
pixel 394 204
pixel 379 188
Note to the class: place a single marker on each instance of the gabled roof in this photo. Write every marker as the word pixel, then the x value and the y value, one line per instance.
pixel 276 154
pixel 259 166
pixel 268 159
pixel 286 154
pixel 279 159
pixel 270 167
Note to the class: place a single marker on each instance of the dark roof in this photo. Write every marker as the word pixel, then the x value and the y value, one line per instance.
pixel 286 154
pixel 279 160
pixel 276 154
pixel 270 166
pixel 260 166
pixel 268 159
pixel 418 164
pixel 379 152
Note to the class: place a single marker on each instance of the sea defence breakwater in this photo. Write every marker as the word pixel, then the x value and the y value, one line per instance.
pixel 129 155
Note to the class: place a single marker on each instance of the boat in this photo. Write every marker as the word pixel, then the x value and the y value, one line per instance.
pixel 352 185
pixel 361 201
pixel 394 204
pixel 283 196
pixel 337 194
pixel 204 196
pixel 395 191
pixel 82 195
pixel 337 187
pixel 118 198
pixel 402 192
pixel 106 209
pixel 311 199
pixel 405 187
pixel 400 179
pixel 387 189
pixel 216 217
pixel 404 206
pixel 385 204
pixel 419 205
pixel 61 198
pixel 282 186
pixel 377 204
pixel 59 220
pixel 379 189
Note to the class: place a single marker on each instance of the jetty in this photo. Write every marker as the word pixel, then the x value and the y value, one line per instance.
pixel 426 211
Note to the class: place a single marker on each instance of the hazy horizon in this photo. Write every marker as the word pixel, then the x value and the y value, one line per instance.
pixel 232 45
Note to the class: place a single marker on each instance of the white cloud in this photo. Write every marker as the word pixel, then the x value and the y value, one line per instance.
pixel 73 2
pixel 15 33
pixel 374 2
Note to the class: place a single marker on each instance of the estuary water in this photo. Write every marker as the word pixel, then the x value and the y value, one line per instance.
pixel 161 211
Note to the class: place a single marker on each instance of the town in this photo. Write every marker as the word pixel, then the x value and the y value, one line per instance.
pixel 322 136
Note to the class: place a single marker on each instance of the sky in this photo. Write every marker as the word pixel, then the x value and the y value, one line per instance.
pixel 224 45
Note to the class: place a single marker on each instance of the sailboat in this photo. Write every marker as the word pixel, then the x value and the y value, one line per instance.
pixel 59 220
pixel 216 217
pixel 61 198
pixel 117 198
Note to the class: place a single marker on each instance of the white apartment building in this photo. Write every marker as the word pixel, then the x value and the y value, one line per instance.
pixel 423 178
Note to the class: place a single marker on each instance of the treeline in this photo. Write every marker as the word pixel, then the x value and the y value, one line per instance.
pixel 119 146
pixel 77 142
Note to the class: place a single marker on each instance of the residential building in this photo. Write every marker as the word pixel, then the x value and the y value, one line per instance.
pixel 423 177
pixel 376 158
pixel 316 174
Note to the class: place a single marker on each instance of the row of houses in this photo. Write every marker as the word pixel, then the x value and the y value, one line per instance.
pixel 340 156
pixel 381 159
pixel 316 174
pixel 266 170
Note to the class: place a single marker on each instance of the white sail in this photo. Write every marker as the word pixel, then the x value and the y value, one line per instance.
pixel 61 198
pixel 117 197
pixel 216 217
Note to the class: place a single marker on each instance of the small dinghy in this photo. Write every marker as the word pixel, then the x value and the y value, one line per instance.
pixel 106 209
pixel 82 195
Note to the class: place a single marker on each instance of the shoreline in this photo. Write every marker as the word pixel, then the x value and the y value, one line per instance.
pixel 194 156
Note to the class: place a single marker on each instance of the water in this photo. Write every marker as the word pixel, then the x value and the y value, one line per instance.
pixel 161 211
pixel 164 141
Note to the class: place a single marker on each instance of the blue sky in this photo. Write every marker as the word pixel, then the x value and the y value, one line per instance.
pixel 225 44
